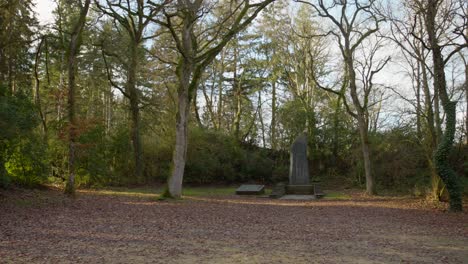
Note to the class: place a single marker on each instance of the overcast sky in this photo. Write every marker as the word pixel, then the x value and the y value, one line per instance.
pixel 44 10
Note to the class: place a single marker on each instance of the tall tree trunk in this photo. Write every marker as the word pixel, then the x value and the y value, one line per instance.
pixel 336 123
pixel 429 110
pixel 135 109
pixel 363 133
pixel 209 105
pixel 466 101
pixel 438 119
pixel 73 52
pixel 220 92
pixel 260 117
pixel 37 90
pixel 237 115
pixel 185 75
pixel 195 110
pixel 237 85
pixel 273 114
pixel 363 126
pixel 418 101
pixel 182 118
pixel 61 87
pixel 436 184
pixel 441 156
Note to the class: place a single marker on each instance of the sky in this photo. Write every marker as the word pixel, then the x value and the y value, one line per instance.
pixel 44 10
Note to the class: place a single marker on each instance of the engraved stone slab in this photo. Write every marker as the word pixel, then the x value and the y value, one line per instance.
pixel 299 166
pixel 250 189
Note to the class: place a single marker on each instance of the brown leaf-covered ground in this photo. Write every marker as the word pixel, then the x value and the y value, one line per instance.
pixel 108 227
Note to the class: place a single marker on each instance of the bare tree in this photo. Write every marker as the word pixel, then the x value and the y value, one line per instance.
pixel 354 22
pixel 406 29
pixel 198 44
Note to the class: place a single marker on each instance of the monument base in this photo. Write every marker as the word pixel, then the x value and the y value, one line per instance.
pixel 313 189
pixel 300 189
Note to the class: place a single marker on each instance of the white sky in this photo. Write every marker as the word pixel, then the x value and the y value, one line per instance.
pixel 44 10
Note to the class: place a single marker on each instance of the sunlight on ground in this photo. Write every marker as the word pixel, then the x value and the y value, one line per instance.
pixel 226 195
pixel 122 192
pixel 314 203
pixel 155 192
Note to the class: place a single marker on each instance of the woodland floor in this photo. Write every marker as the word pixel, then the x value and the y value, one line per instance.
pixel 43 226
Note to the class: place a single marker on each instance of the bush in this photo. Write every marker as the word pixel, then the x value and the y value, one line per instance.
pixel 214 157
pixel 399 161
pixel 26 162
pixel 22 152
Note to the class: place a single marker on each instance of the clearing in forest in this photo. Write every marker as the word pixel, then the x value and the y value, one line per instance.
pixel 134 227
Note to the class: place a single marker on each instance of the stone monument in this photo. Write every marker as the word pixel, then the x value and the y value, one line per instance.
pixel 299 166
pixel 299 182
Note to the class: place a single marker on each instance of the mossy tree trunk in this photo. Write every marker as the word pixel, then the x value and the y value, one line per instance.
pixel 444 147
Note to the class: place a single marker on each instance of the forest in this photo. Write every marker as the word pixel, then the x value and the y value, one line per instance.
pixel 123 93
pixel 127 125
pixel 133 93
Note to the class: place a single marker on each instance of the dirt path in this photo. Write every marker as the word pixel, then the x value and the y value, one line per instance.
pixel 45 227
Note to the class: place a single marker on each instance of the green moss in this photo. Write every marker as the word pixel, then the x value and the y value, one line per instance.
pixel 441 160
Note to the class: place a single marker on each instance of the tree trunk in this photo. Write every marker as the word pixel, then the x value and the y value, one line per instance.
pixel 220 92
pixel 135 110
pixel 436 184
pixel 37 90
pixel 441 156
pixel 363 133
pixel 195 109
pixel 237 116
pixel 260 117
pixel 429 110
pixel 182 115
pixel 363 126
pixel 466 101
pixel 186 76
pixel 237 85
pixel 336 123
pixel 438 120
pixel 418 101
pixel 73 52
pixel 273 114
